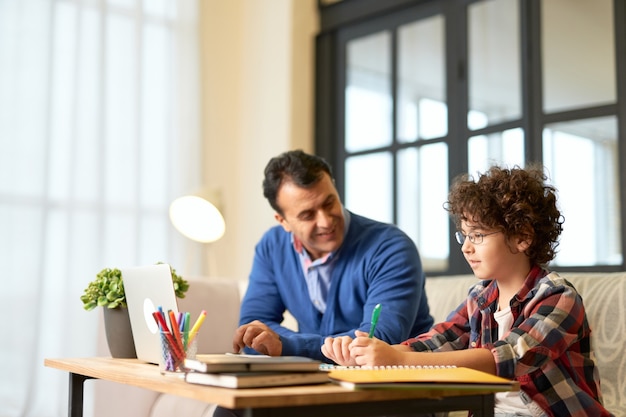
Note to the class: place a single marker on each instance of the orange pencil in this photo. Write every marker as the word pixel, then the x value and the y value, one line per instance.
pixel 176 331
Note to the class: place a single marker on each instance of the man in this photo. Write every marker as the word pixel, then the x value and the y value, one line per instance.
pixel 328 267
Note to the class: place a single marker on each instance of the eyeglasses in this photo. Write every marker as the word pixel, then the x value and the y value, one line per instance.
pixel 474 237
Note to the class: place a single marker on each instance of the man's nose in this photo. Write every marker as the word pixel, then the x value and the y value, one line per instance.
pixel 324 219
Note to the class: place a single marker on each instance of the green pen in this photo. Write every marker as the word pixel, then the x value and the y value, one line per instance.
pixel 186 329
pixel 375 315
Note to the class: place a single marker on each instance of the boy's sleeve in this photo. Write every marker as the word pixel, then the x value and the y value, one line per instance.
pixel 452 334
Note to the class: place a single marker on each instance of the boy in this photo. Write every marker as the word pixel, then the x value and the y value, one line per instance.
pixel 520 321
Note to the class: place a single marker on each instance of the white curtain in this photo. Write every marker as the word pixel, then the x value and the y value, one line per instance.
pixel 99 131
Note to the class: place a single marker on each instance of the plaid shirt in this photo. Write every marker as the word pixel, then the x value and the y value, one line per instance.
pixel 547 350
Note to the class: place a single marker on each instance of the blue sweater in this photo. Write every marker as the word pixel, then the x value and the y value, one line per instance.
pixel 377 263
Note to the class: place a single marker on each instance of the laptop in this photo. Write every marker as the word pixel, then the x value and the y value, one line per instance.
pixel 147 288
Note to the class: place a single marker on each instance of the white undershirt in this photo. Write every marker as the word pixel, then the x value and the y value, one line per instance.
pixel 508 402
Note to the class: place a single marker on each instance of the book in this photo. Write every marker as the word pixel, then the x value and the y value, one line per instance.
pixel 256 379
pixel 213 363
pixel 418 377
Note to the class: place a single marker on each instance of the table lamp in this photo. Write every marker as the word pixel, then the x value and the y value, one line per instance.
pixel 197 218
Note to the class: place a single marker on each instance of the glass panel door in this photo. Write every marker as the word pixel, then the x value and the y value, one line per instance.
pixel 578 54
pixel 421 106
pixel 368 126
pixel 581 157
pixel 495 83
pixel 368 92
pixel 396 126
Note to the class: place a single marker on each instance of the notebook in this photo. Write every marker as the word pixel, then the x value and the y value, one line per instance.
pixel 224 362
pixel 256 379
pixel 147 288
pixel 420 377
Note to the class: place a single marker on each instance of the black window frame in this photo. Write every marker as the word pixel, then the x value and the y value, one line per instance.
pixel 342 20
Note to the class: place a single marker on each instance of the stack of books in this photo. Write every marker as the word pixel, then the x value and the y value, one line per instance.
pixel 252 371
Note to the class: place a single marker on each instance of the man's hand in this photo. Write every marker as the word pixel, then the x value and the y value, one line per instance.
pixel 259 337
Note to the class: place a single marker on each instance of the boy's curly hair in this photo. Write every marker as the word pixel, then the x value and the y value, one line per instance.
pixel 516 202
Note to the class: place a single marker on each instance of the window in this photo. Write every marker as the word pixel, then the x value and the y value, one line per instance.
pixel 98 117
pixel 432 90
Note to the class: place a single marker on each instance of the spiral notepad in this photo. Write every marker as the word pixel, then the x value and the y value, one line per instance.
pixel 331 367
pixel 417 376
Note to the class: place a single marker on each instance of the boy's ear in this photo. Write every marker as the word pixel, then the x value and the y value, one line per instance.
pixel 524 241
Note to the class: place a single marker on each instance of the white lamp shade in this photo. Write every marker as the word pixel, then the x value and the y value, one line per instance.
pixel 197 219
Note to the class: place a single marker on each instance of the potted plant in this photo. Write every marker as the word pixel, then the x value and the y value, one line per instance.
pixel 107 291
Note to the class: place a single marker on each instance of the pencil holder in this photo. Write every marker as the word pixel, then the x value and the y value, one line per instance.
pixel 174 349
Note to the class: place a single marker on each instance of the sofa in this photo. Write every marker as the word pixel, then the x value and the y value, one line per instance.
pixel 604 295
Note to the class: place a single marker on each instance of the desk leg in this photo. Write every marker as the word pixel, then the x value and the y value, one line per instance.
pixel 487 407
pixel 76 390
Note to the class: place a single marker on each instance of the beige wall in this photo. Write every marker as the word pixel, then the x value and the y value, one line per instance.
pixel 257 70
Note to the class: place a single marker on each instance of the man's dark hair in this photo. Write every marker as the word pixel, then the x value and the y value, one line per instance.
pixel 300 168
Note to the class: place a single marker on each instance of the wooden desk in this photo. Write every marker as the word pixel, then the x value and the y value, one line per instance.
pixel 326 400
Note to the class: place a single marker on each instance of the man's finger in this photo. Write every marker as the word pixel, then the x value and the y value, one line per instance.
pixel 250 334
pixel 238 343
pixel 268 343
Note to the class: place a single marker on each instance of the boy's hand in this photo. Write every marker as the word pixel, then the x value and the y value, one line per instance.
pixel 337 349
pixel 370 351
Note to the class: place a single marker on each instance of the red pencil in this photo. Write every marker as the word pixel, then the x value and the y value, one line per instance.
pixel 176 351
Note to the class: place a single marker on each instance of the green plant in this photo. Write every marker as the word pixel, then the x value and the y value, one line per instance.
pixel 107 290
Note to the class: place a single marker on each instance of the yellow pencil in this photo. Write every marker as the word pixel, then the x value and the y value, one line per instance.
pixel 196 326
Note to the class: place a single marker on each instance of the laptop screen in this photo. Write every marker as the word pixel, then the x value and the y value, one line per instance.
pixel 147 288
